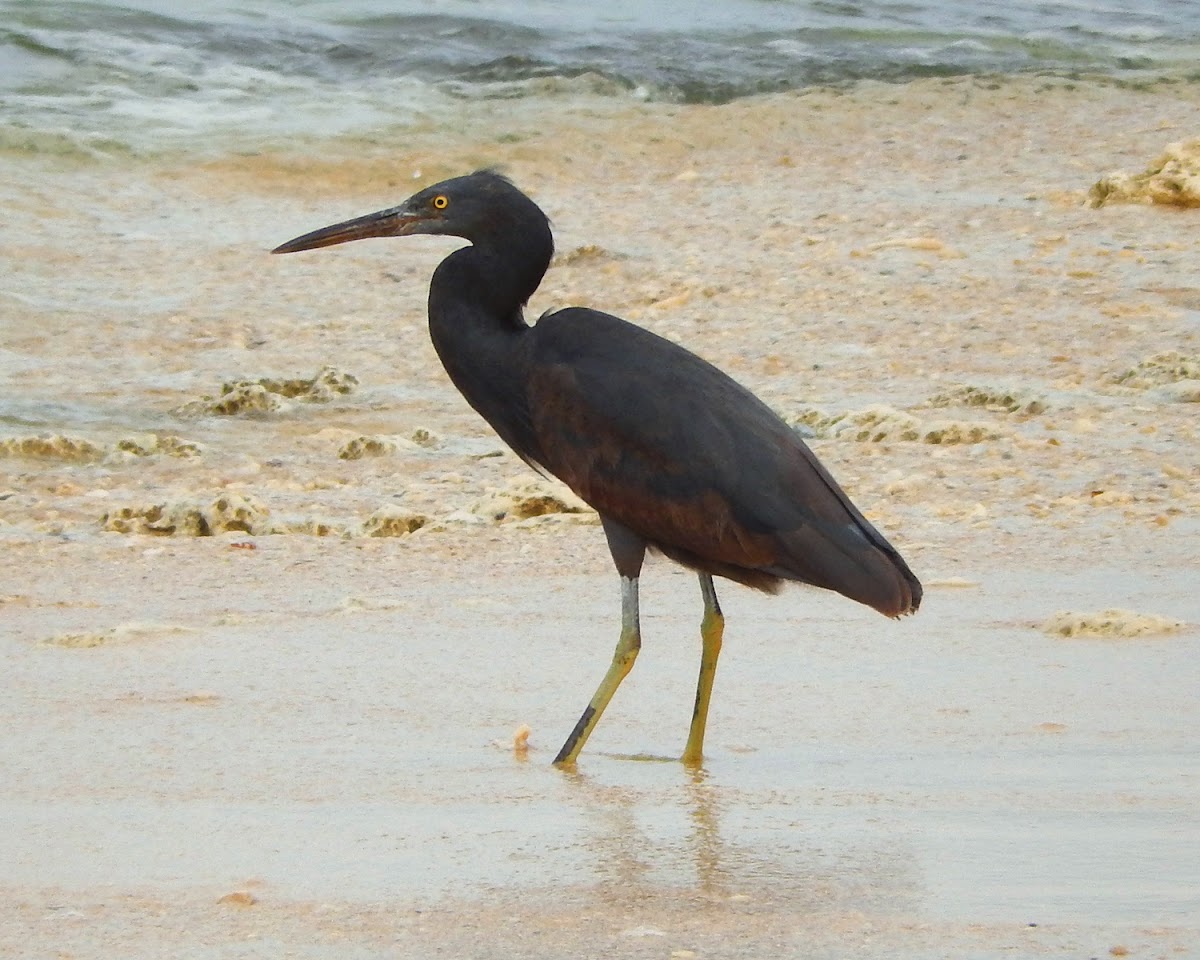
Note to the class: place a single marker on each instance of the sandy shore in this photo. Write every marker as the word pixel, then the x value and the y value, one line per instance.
pixel 265 656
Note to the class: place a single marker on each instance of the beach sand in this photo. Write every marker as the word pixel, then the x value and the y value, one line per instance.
pixel 266 654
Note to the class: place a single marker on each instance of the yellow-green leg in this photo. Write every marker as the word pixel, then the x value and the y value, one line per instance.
pixel 622 662
pixel 712 629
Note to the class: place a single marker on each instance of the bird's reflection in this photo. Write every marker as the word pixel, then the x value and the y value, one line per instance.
pixel 668 834
pixel 704 810
pixel 691 838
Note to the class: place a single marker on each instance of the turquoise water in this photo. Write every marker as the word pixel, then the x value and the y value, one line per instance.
pixel 144 76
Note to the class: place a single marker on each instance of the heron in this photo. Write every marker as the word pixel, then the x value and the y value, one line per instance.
pixel 675 456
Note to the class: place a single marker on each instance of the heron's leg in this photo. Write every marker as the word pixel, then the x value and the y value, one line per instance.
pixel 628 551
pixel 622 662
pixel 712 628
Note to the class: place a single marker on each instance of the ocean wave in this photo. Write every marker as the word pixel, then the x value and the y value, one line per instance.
pixel 148 77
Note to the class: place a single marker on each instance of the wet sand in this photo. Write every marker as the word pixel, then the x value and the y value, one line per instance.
pixel 237 723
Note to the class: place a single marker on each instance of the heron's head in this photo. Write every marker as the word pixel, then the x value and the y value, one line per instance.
pixel 479 207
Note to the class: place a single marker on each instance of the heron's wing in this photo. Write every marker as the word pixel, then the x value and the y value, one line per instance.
pixel 661 441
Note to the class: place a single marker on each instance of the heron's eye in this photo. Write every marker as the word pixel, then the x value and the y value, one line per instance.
pixel 441 202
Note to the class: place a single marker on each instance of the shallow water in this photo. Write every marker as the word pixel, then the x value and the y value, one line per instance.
pixel 955 771
pixel 116 76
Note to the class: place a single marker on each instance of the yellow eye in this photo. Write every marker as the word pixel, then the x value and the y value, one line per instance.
pixel 441 202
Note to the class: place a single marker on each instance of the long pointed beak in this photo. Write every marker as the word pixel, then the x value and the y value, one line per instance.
pixel 394 222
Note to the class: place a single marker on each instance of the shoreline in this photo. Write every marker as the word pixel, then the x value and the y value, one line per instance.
pixel 997 373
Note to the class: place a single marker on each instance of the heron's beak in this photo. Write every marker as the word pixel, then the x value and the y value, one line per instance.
pixel 394 222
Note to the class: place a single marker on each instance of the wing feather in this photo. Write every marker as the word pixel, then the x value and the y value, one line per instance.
pixel 666 444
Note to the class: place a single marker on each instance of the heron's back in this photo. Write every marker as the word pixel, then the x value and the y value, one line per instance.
pixel 668 445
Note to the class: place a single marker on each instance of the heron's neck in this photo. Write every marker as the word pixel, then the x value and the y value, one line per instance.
pixel 478 329
pixel 475 317
pixel 489 287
